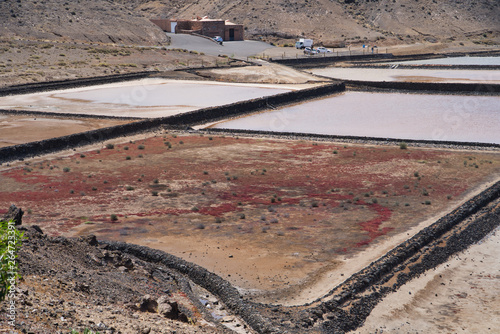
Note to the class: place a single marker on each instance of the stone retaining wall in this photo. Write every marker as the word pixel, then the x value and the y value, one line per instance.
pixel 433 87
pixel 71 83
pixel 418 254
pixel 63 115
pixel 206 279
pixel 355 139
pixel 184 120
pixel 321 61
pixel 425 246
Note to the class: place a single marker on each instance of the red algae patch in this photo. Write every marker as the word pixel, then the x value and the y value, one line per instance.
pixel 265 214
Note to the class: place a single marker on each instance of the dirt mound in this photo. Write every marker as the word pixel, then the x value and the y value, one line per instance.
pixel 77 284
pixel 81 21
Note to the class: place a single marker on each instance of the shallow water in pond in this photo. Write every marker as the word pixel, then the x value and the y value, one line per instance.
pixel 410 75
pixel 386 115
pixel 140 98
pixel 452 61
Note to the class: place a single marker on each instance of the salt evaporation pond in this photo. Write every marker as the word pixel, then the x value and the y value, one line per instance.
pixel 410 75
pixel 452 61
pixel 385 115
pixel 141 98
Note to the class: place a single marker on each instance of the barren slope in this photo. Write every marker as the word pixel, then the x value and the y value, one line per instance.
pixel 80 21
pixel 328 20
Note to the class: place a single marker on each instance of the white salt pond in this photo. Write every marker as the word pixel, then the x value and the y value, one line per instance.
pixel 410 75
pixel 141 98
pixel 452 61
pixel 385 115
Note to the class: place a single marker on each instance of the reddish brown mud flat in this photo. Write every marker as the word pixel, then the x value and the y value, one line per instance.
pixel 274 217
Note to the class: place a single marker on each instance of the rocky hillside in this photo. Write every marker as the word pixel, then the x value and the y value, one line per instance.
pixel 81 21
pixel 406 20
pixel 127 21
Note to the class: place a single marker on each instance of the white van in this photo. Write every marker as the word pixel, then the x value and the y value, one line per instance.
pixel 304 43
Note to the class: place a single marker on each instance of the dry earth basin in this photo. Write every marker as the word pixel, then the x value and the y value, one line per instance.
pixel 283 220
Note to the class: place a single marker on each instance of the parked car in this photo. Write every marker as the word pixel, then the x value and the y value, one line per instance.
pixel 323 50
pixel 218 39
pixel 310 51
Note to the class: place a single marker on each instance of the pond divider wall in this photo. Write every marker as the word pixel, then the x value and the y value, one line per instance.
pixel 65 115
pixel 321 61
pixel 317 61
pixel 184 120
pixel 352 293
pixel 72 83
pixel 206 279
pixel 424 251
pixel 354 139
pixel 427 67
pixel 434 87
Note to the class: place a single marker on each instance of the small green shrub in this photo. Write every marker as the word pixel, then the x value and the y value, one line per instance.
pixel 86 331
pixel 403 146
pixel 10 243
pixel 114 217
pixel 66 169
pixel 110 146
pixel 141 147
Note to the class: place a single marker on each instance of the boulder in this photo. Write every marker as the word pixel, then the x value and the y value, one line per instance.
pixel 148 304
pixel 15 214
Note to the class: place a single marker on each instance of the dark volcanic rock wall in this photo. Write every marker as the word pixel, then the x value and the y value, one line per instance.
pixel 184 120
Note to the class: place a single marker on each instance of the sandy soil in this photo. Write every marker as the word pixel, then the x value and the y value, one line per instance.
pixel 459 296
pixel 25 61
pixel 265 73
pixel 34 128
pixel 302 219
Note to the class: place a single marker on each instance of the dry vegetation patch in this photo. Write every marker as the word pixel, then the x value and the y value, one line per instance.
pixel 265 214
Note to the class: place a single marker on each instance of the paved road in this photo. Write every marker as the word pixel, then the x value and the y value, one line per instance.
pixel 237 49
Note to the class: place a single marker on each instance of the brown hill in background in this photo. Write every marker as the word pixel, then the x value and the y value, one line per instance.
pixel 327 20
pixel 126 21
pixel 82 21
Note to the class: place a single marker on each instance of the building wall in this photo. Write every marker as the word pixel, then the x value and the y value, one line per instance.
pixel 238 32
pixel 213 28
pixel 187 25
pixel 163 24
pixel 206 28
